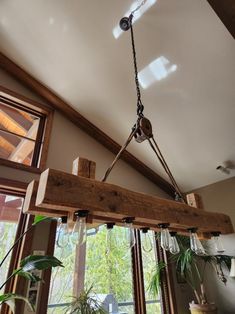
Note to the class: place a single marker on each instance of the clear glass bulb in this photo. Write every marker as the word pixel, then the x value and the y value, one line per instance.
pixel 129 238
pixel 79 233
pixel 165 239
pixel 146 240
pixel 62 236
pixel 217 242
pixel 174 246
pixel 195 244
pixel 110 239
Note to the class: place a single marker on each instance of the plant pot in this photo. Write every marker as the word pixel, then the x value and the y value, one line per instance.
pixel 203 308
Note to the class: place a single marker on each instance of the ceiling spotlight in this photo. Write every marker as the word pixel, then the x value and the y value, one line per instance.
pixel 223 169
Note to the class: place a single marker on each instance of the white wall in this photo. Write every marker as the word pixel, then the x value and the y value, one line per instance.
pixel 68 142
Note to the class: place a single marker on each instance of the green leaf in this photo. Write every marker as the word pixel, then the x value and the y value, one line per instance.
pixel 28 275
pixel 155 283
pixel 38 219
pixel 9 299
pixel 40 262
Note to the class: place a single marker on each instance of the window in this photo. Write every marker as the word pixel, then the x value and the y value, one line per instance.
pixel 24 131
pixel 114 278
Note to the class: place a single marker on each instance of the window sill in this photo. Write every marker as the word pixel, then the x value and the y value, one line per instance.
pixel 16 165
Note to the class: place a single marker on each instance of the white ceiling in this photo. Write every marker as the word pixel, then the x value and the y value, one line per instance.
pixel 69 45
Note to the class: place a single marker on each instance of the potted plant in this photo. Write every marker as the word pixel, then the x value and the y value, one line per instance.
pixel 27 265
pixel 86 303
pixel 191 268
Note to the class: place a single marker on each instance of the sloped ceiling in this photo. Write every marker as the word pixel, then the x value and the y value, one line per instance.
pixel 70 46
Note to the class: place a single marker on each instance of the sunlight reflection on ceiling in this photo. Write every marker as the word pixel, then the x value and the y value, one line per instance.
pixel 157 70
pixel 117 30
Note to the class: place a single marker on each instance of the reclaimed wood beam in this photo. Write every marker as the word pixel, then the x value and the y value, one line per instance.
pixel 60 191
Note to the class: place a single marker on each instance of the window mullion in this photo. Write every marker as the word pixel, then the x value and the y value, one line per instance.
pixel 138 278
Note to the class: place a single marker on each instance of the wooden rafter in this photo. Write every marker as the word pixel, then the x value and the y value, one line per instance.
pixel 59 191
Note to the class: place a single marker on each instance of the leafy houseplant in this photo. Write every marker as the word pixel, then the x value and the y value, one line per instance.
pixel 27 265
pixel 192 268
pixel 86 303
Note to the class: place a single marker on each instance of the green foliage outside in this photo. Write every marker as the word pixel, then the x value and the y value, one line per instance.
pixel 107 274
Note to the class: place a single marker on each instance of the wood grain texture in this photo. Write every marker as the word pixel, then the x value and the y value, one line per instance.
pixel 59 190
pixel 29 203
pixel 59 104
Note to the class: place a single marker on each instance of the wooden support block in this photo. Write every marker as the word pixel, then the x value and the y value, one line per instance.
pixel 59 190
pixel 84 168
pixel 29 203
pixel 194 200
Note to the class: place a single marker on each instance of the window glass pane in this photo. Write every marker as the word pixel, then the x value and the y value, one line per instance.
pixel 61 287
pixel 10 207
pixel 110 275
pixel 18 121
pixel 110 278
pixel 149 260
pixel 16 149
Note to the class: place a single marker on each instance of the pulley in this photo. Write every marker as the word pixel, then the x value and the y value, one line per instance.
pixel 144 130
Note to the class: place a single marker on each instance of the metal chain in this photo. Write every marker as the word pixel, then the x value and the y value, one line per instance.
pixel 140 107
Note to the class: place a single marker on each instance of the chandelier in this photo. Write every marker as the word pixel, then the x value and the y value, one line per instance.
pixel 79 199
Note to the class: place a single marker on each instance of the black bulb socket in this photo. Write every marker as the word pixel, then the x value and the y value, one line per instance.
pixel 192 230
pixel 110 225
pixel 64 219
pixel 145 229
pixel 128 220
pixel 163 225
pixel 81 213
pixel 215 233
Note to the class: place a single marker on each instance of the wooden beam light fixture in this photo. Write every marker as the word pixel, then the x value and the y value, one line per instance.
pixel 58 192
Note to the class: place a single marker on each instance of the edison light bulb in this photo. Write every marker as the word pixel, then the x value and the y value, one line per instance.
pixel 110 238
pixel 174 246
pixel 129 240
pixel 62 238
pixel 79 233
pixel 217 242
pixel 165 236
pixel 146 240
pixel 195 243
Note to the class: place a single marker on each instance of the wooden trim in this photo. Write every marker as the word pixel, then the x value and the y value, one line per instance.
pixel 225 9
pixel 45 288
pixel 25 101
pixel 138 277
pixel 81 122
pixel 13 262
pixel 17 165
pixel 21 284
pixel 45 114
pixel 12 186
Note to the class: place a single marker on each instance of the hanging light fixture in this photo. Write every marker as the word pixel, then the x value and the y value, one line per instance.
pixel 165 238
pixel 195 243
pixel 174 246
pixel 79 234
pixel 217 242
pixel 110 238
pixel 62 238
pixel 146 240
pixel 129 232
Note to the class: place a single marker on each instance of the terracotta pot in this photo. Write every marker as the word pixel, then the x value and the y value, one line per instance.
pixel 203 308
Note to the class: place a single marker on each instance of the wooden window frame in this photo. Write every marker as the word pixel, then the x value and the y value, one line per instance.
pixel 43 133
